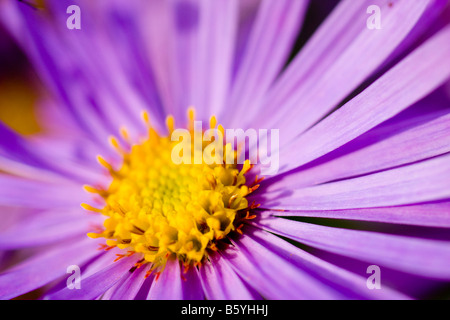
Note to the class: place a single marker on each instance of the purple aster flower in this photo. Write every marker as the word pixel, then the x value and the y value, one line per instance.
pixel 359 207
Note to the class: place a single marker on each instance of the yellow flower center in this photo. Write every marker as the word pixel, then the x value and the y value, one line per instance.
pixel 164 210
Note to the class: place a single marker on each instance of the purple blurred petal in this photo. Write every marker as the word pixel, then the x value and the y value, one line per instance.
pixel 45 228
pixel 45 267
pixel 273 34
pixel 204 34
pixel 248 11
pixel 22 156
pixel 60 58
pixel 35 194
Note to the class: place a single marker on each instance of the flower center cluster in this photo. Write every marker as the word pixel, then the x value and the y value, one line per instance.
pixel 164 210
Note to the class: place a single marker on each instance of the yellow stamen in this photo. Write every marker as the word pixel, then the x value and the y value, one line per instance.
pixel 94 190
pixel 113 141
pixel 191 117
pixel 170 122
pixel 90 208
pixel 124 134
pixel 104 163
pixel 146 118
pixel 213 122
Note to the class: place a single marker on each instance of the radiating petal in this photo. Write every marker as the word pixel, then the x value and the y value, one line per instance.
pixel 412 79
pixel 272 276
pixel 427 258
pixel 421 182
pixel 129 287
pixel 169 285
pixel 384 147
pixel 44 229
pixel 340 56
pixel 46 267
pixel 204 34
pixel 96 284
pixel 427 215
pixel 220 282
pixel 35 194
pixel 271 39
pixel 352 285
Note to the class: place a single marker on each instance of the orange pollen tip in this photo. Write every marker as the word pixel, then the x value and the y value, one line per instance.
pixel 105 247
pixel 249 217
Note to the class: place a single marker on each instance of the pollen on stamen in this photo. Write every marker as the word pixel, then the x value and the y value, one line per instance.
pixel 170 123
pixel 160 210
pixel 213 122
pixel 125 135
pixel 115 144
pixel 90 208
pixel 104 163
pixel 191 117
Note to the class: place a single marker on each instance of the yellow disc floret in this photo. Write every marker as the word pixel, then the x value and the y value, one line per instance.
pixel 164 210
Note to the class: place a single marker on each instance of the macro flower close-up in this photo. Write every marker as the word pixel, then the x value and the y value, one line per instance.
pixel 225 149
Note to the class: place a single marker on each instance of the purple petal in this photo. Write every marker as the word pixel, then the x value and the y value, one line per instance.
pixel 42 158
pixel 429 214
pixel 340 56
pixel 169 285
pixel 176 285
pixel 411 80
pixel 272 276
pixel 20 156
pixel 46 267
pixel 191 285
pixel 39 229
pixel 129 287
pixel 384 147
pixel 98 283
pixel 427 258
pixel 421 182
pixel 271 39
pixel 28 193
pixel 61 58
pixel 220 282
pixel 203 46
pixel 349 283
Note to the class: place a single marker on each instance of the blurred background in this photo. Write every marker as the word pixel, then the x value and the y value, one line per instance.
pixel 19 88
